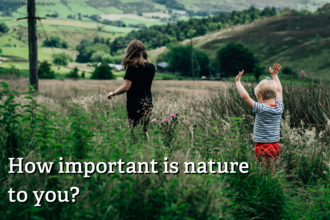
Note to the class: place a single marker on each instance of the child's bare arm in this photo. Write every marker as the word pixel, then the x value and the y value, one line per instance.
pixel 274 73
pixel 242 92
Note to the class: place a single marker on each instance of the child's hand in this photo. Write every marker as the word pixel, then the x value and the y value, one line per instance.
pixel 238 77
pixel 275 70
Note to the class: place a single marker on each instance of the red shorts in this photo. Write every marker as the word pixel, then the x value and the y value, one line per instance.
pixel 267 151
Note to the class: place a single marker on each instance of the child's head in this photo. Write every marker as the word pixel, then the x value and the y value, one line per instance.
pixel 135 54
pixel 266 89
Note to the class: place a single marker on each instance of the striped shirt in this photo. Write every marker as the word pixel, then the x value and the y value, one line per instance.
pixel 267 122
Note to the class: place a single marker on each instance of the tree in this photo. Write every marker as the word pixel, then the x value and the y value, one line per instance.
pixel 107 42
pixel 54 42
pixel 179 59
pixel 235 57
pixel 86 50
pixel 73 74
pixel 96 40
pixel 102 72
pixel 287 70
pixel 191 33
pixel 44 71
pixel 97 56
pixel 258 71
pixel 107 58
pixel 3 28
pixel 64 44
pixel 61 59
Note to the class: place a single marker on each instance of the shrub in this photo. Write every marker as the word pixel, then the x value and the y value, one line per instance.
pixel 61 59
pixel 83 74
pixel 103 72
pixel 73 74
pixel 44 71
pixel 13 71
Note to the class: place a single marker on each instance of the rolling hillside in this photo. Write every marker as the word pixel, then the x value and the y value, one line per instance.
pixel 301 42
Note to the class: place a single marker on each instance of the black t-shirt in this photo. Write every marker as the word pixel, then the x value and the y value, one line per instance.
pixel 141 79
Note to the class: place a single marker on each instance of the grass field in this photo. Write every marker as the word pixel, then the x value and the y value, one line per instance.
pixel 210 122
pixel 129 21
pixel 10 40
pixel 44 53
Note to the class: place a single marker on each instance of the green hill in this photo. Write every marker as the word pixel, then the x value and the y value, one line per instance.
pixel 301 42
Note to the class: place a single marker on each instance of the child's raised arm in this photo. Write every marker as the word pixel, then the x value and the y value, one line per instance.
pixel 274 73
pixel 242 92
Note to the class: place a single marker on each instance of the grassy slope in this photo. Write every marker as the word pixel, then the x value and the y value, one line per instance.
pixel 300 42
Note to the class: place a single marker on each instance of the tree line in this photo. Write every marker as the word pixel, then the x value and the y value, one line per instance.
pixel 161 35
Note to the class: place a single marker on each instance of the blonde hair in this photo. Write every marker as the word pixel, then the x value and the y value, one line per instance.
pixel 135 54
pixel 267 88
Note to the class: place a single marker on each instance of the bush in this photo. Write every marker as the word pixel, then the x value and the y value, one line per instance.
pixel 62 59
pixel 3 28
pixel 235 57
pixel 103 72
pixel 13 71
pixel 83 74
pixel 44 71
pixel 73 74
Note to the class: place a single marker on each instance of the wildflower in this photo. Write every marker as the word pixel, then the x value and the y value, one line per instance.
pixel 181 133
pixel 2 94
pixel 40 123
pixel 173 115
pixel 167 117
pixel 302 74
pixel 153 120
pixel 1 125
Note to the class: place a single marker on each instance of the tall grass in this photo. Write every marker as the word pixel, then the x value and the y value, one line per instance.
pixel 211 125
